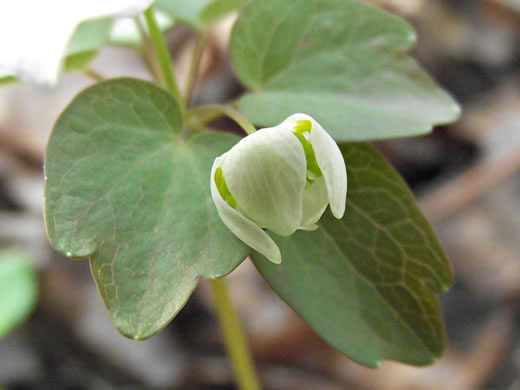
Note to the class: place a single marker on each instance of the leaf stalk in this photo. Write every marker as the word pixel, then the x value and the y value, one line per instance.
pixel 195 65
pixel 163 56
pixel 234 338
pixel 209 112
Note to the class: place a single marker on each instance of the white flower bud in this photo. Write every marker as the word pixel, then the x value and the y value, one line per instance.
pixel 280 178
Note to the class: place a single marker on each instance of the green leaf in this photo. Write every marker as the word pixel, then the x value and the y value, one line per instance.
pixel 78 61
pixel 220 8
pixel 18 289
pixel 367 283
pixel 89 37
pixel 342 62
pixel 198 13
pixel 124 188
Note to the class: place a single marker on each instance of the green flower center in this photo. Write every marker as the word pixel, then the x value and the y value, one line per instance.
pixel 313 169
pixel 223 188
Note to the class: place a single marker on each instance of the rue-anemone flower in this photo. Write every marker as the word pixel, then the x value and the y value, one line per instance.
pixel 280 178
pixel 35 33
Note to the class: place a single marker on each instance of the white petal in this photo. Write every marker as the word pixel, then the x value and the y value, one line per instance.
pixel 315 201
pixel 290 122
pixel 243 228
pixel 266 174
pixel 330 161
pixel 35 33
pixel 332 165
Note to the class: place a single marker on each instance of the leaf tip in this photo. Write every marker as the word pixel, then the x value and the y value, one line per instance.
pixel 70 252
pixel 430 359
pixel 133 333
pixel 411 37
pixel 446 285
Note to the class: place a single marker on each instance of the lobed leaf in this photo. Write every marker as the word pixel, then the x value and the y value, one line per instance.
pixel 124 188
pixel 341 61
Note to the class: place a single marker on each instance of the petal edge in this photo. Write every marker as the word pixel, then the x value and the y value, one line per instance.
pixel 332 165
pixel 240 226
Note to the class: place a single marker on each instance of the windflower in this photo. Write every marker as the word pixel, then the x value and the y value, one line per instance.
pixel 35 33
pixel 280 178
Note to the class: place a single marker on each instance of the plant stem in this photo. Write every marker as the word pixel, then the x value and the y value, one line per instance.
pixel 163 55
pixel 234 338
pixel 195 65
pixel 146 51
pixel 92 74
pixel 209 112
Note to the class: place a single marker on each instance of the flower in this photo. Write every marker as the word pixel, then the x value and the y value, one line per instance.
pixel 35 33
pixel 280 178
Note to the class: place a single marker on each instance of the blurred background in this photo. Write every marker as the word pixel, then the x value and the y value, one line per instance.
pixel 466 177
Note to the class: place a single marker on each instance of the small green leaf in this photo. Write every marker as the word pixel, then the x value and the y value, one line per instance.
pixel 79 61
pixel 124 188
pixel 18 289
pixel 367 283
pixel 342 62
pixel 89 37
pixel 198 13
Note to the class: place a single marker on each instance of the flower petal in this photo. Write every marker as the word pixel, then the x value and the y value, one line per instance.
pixel 332 166
pixel 315 201
pixel 35 33
pixel 243 228
pixel 266 174
pixel 330 161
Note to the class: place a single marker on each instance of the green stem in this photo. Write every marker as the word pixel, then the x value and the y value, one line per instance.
pixel 163 55
pixel 209 112
pixel 146 51
pixel 92 74
pixel 195 64
pixel 234 338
